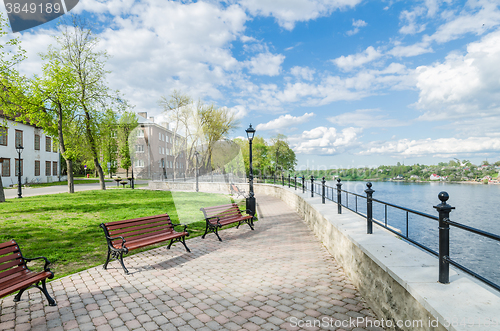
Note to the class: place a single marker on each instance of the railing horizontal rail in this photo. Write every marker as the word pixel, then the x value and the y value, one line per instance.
pixel 322 190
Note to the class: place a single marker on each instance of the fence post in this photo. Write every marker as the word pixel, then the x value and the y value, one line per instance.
pixel 369 208
pixel 288 180
pixel 274 179
pixel 312 186
pixel 303 184
pixel 444 237
pixel 295 181
pixel 323 190
pixel 282 180
pixel 339 197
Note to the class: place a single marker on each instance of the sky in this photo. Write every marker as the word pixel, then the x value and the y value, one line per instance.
pixel 351 83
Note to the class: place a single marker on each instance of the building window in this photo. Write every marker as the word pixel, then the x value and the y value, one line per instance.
pixel 159 150
pixel 139 163
pixel 159 136
pixel 54 169
pixel 139 148
pixel 3 136
pixel 140 133
pixel 37 142
pixel 48 144
pixel 37 168
pixel 19 167
pixel 47 168
pixel 6 168
pixel 19 138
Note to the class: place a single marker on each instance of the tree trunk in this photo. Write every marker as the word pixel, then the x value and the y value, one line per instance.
pixel 62 147
pixel 100 173
pixel 2 193
pixel 71 183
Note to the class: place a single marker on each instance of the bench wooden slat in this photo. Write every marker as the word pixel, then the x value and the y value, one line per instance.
pixel 218 216
pixel 140 232
pixel 15 275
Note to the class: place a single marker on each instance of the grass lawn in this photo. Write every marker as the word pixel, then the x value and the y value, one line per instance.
pixel 65 227
pixel 65 182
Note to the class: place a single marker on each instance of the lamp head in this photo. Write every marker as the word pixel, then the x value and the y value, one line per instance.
pixel 250 132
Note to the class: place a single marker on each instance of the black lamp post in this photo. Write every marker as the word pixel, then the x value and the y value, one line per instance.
pixel 196 169
pixel 132 172
pixel 19 150
pixel 251 199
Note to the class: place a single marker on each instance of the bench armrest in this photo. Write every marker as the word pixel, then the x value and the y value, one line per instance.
pixel 248 211
pixel 214 217
pixel 184 225
pixel 114 238
pixel 47 262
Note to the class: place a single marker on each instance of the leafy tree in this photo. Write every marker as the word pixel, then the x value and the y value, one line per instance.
pixel 77 51
pixel 126 124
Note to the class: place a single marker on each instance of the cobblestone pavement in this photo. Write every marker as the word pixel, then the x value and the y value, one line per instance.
pixel 274 278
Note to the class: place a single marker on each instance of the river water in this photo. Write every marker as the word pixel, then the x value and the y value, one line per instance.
pixel 476 205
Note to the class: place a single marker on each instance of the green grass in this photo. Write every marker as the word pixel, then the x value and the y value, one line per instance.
pixel 65 227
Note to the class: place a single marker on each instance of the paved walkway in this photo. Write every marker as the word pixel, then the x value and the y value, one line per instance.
pixel 274 278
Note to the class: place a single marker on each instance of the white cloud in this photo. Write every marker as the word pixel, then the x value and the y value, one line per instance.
pixel 410 50
pixel 284 121
pixel 355 60
pixel 462 86
pixel 410 19
pixel 356 24
pixel 478 17
pixel 266 64
pixel 287 13
pixel 303 72
pixel 436 147
pixel 325 141
pixel 366 118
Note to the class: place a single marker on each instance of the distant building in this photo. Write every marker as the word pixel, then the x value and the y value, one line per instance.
pixel 40 157
pixel 154 151
pixel 435 177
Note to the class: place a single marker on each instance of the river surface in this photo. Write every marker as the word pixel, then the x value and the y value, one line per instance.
pixel 476 205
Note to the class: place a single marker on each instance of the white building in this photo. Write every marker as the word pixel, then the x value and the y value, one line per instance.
pixel 39 159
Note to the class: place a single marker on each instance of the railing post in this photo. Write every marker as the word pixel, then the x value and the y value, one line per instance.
pixel 289 180
pixel 323 190
pixel 444 237
pixel 295 181
pixel 312 186
pixel 339 197
pixel 369 208
pixel 303 184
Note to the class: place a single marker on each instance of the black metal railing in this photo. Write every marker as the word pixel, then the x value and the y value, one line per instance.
pixel 365 209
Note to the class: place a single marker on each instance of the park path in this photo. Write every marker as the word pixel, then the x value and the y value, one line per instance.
pixel 274 278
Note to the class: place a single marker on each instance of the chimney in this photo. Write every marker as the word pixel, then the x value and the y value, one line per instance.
pixel 165 125
pixel 143 114
pixel 152 119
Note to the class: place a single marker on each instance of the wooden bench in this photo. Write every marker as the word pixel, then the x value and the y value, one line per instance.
pixel 15 275
pixel 127 235
pixel 236 191
pixel 218 216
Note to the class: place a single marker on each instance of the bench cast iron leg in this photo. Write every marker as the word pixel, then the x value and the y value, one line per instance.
pixel 183 241
pixel 171 242
pixel 18 295
pixel 217 233
pixel 105 266
pixel 121 262
pixel 44 291
pixel 206 231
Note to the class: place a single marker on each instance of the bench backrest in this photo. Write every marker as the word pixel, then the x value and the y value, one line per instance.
pixel 11 263
pixel 223 212
pixel 138 228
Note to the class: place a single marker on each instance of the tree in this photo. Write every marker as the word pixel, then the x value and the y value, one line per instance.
pixel 11 53
pixel 77 52
pixel 177 111
pixel 284 156
pixel 126 124
pixel 108 141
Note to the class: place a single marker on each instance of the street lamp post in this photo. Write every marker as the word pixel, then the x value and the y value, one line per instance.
pixel 19 150
pixel 196 169
pixel 251 199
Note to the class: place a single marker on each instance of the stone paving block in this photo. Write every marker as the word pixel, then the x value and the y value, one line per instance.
pixel 219 286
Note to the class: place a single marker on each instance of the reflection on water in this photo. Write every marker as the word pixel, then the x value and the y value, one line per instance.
pixel 476 205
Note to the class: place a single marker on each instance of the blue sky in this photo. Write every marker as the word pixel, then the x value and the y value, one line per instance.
pixel 350 82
